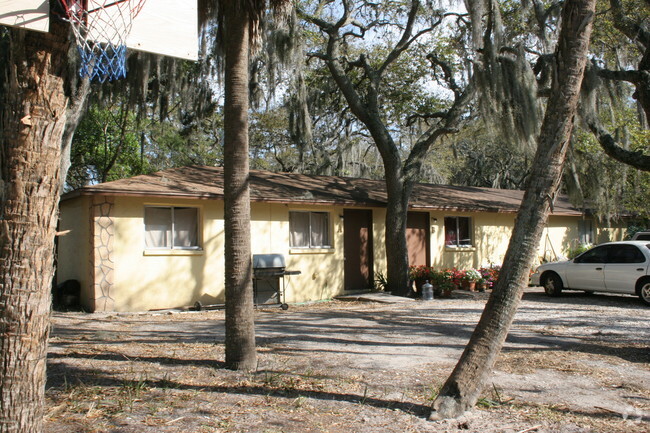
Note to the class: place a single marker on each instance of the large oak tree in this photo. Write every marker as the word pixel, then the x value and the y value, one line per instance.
pixel 367 80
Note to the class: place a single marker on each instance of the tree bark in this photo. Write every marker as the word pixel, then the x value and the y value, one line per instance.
pixel 32 121
pixel 461 390
pixel 240 326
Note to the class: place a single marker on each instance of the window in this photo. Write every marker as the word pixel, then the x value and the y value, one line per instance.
pixel 171 227
pixel 594 255
pixel 625 254
pixel 457 232
pixel 585 232
pixel 309 230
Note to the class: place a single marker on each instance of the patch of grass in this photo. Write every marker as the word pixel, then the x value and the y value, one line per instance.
pixel 432 392
pixel 299 402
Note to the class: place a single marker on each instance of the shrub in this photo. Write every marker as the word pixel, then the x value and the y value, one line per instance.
pixel 577 250
pixel 421 273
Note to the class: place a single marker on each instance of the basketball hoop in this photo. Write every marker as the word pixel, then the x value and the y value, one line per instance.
pixel 101 28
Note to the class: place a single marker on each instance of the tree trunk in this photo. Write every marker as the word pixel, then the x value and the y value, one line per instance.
pixel 80 88
pixel 396 216
pixel 462 388
pixel 240 326
pixel 32 120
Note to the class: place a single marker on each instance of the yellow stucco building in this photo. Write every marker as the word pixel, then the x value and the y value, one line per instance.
pixel 157 241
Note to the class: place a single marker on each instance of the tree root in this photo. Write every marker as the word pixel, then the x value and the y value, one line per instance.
pixel 446 407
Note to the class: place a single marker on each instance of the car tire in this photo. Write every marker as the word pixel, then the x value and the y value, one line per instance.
pixel 552 284
pixel 644 290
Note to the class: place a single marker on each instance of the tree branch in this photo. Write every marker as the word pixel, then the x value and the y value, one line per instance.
pixel 452 119
pixel 631 76
pixel 634 159
pixel 627 26
pixel 404 40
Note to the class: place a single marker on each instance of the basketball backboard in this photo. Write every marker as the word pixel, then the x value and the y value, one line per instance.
pixel 166 27
pixel 30 14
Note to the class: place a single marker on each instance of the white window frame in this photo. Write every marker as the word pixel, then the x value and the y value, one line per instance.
pixel 172 247
pixel 328 240
pixel 470 232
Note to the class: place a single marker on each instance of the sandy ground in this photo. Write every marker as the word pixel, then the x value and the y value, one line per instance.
pixel 577 363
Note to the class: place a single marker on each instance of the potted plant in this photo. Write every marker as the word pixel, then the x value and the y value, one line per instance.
pixel 446 287
pixel 490 274
pixel 455 276
pixel 436 278
pixel 470 277
pixel 418 275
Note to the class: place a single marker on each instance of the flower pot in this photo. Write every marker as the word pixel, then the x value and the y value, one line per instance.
pixel 469 285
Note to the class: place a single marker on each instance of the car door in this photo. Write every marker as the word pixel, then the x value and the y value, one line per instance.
pixel 587 270
pixel 625 264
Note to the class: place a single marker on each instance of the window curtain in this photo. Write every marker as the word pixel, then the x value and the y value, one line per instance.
pixel 185 227
pixel 158 227
pixel 319 229
pixel 299 229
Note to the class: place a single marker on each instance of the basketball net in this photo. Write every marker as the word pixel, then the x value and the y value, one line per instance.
pixel 101 28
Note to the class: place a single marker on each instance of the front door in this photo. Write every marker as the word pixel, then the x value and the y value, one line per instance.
pixel 357 248
pixel 418 239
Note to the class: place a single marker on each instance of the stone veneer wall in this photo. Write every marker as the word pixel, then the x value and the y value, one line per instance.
pixel 101 252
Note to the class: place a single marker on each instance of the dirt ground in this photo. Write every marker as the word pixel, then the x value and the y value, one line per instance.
pixel 578 363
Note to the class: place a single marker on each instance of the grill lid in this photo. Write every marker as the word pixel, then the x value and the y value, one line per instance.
pixel 261 261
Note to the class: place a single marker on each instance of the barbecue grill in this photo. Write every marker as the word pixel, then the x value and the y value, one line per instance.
pixel 269 286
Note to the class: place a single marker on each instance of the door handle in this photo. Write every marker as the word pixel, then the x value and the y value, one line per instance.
pixel 640 269
pixel 599 269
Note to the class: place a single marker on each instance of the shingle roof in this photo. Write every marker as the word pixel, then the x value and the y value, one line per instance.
pixel 207 182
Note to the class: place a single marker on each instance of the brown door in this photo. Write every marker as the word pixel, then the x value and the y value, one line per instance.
pixel 418 238
pixel 357 248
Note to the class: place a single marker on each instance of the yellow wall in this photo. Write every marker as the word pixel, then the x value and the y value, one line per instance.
pixel 151 279
pixel 616 231
pixel 145 279
pixel 491 234
pixel 321 269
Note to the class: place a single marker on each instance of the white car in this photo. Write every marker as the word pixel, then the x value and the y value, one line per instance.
pixel 615 267
pixel 641 236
